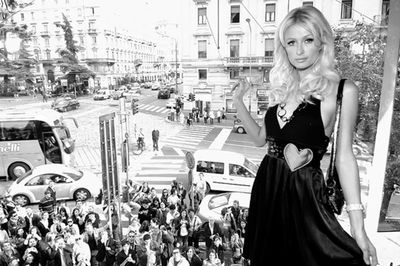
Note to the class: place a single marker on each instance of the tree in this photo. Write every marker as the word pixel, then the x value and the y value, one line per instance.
pixel 69 62
pixel 22 62
pixel 365 67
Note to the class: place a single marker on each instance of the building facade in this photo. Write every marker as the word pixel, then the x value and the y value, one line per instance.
pixel 111 52
pixel 228 39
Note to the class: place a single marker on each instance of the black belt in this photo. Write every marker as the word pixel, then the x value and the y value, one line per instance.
pixel 276 148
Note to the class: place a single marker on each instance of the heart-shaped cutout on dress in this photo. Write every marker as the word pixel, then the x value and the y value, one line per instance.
pixel 296 158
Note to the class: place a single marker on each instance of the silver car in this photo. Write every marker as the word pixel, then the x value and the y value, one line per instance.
pixel 212 205
pixel 70 183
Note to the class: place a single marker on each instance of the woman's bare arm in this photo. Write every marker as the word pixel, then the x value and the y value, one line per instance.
pixel 256 132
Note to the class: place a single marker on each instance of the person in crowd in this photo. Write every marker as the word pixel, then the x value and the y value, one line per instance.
pixel 127 256
pixel 147 251
pixel 44 224
pixel 229 224
pixel 155 232
pixel 211 229
pixel 236 245
pixel 62 253
pixel 153 196
pixel 51 188
pixel 145 212
pixel 81 251
pixel 91 236
pixel 71 227
pixel 161 213
pixel 173 199
pixel 194 225
pixel 155 135
pixel 182 225
pixel 243 216
pixel 63 214
pixel 92 216
pixel 182 195
pixel 304 90
pixel 14 223
pixel 8 252
pixel 145 188
pixel 164 196
pixel 177 259
pixel 4 234
pixel 46 204
pixel 167 244
pixel 58 226
pixel 219 116
pixel 236 210
pixel 171 216
pixel 219 248
pixel 107 249
pixel 201 186
pixel 78 219
pixel 192 257
pixel 212 259
pixel 19 240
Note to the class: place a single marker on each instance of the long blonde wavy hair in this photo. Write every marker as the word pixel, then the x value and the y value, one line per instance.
pixel 284 77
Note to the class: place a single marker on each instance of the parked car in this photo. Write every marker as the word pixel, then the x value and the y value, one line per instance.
pixel 171 104
pixel 70 183
pixel 102 94
pixel 212 205
pixel 155 86
pixel 130 94
pixel 118 93
pixel 164 94
pixel 64 104
pixel 238 126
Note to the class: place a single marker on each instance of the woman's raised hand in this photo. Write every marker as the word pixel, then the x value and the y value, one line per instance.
pixel 240 88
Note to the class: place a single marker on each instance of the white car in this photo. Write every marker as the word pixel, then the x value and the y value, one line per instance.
pixel 102 95
pixel 70 183
pixel 212 205
pixel 171 104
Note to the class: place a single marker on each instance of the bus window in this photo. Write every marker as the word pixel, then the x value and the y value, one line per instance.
pixel 18 130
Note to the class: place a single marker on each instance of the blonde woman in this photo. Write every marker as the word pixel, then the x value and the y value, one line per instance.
pixel 289 218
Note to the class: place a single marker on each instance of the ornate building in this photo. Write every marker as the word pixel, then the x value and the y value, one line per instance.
pixel 112 53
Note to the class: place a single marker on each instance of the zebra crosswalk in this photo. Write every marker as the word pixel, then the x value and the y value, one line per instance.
pixel 188 138
pixel 161 171
pixel 154 108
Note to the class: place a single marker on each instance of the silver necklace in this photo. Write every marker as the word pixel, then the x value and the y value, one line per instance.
pixel 282 112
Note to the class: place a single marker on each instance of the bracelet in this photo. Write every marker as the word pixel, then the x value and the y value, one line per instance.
pixel 355 207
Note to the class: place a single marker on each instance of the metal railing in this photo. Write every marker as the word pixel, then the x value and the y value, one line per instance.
pixel 249 60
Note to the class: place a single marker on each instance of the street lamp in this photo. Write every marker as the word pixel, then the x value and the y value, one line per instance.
pixel 251 84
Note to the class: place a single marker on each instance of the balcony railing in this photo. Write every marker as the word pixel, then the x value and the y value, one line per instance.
pixel 45 33
pixel 245 61
pixel 92 31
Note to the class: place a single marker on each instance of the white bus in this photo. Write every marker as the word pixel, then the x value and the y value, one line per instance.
pixel 32 138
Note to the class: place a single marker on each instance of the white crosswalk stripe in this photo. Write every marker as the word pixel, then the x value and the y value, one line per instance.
pixel 153 108
pixel 188 138
pixel 160 172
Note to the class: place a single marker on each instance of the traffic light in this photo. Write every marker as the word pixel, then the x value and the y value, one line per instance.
pixel 135 107
pixel 192 97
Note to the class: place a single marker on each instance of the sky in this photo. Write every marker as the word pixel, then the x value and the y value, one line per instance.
pixel 141 16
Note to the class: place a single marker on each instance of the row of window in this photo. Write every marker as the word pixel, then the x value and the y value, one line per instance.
pixel 270 12
pixel 56 14
pixel 234 48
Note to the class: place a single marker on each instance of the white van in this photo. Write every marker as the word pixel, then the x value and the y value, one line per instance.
pixel 225 170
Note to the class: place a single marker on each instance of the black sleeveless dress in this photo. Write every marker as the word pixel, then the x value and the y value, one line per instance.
pixel 289 220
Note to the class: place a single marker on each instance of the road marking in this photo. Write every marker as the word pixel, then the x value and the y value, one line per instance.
pixel 157 172
pixel 165 111
pixel 167 161
pixel 152 108
pixel 220 139
pixel 179 151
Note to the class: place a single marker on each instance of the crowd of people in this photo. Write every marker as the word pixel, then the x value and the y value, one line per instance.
pixel 163 230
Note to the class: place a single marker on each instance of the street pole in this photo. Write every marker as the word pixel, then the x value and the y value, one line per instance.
pixel 250 59
pixel 176 66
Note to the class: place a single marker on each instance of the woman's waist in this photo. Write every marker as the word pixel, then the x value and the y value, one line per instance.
pixel 291 150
